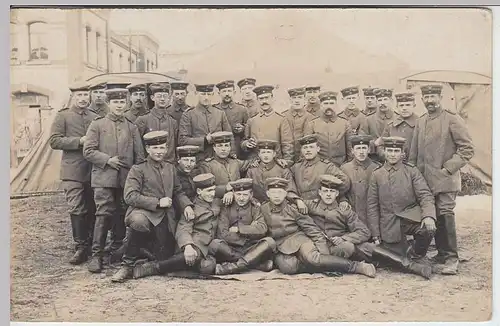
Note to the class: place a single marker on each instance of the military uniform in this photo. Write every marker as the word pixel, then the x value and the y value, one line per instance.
pixel 441 140
pixel 369 92
pixel 176 110
pixel 252 106
pixel 102 109
pixel 69 125
pixel 379 121
pixel 108 137
pixel 133 113
pixel 358 121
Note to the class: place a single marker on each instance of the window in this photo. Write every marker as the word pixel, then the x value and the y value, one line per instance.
pixel 120 62
pixel 14 50
pixel 87 43
pixel 38 41
pixel 97 44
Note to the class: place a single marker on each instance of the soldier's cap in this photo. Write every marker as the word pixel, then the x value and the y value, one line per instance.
pixel 159 88
pixel 204 180
pixel 349 91
pixel 179 86
pixel 117 93
pixel 242 184
pixel 246 81
pixel 79 86
pixel 311 88
pixel 96 86
pixel 116 85
pixel 220 137
pixel 360 140
pixel 369 91
pixel 156 137
pixel 383 92
pixel 394 142
pixel 431 89
pixel 259 90
pixel 267 144
pixel 132 88
pixel 188 151
pixel 308 139
pixel 276 182
pixel 225 84
pixel 329 181
pixel 327 96
pixel 206 88
pixel 296 91
pixel 405 97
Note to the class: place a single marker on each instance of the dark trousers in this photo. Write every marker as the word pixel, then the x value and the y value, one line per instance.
pixel 203 264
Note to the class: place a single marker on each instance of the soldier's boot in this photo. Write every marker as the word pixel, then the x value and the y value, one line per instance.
pixel 100 234
pixel 78 225
pixel 440 241
pixel 250 259
pixel 265 266
pixel 90 225
pixel 331 263
pixel 223 252
pixel 117 253
pixel 124 273
pixel 364 269
pixel 173 264
pixel 450 245
pixel 130 255
pixel 402 262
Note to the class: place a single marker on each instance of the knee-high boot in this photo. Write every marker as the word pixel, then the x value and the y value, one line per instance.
pixel 173 264
pixel 402 262
pixel 250 259
pixel 80 234
pixel 99 240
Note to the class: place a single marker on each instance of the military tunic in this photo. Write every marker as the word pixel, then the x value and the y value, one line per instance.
pixel 392 189
pixel 259 175
pixel 186 181
pixel 197 123
pixel 359 173
pixel 224 170
pixel 314 109
pixel 379 121
pixel 159 119
pixel 133 113
pixel 176 111
pixel 252 106
pixel 358 121
pixel 99 110
pixel 306 174
pixel 333 134
pixel 235 113
pixel 272 126
pixel 369 111
pixel 401 128
pixel 298 122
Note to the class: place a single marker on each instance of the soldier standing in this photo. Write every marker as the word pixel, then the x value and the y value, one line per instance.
pixel 198 124
pixel 138 102
pixel 313 102
pixel 400 203
pixel 112 145
pixel 248 99
pixel 332 131
pixel 236 114
pixel 178 106
pixel 370 101
pixel 98 99
pixel 151 189
pixel 268 124
pixel 159 119
pixel 441 146
pixel 68 134
pixel 352 113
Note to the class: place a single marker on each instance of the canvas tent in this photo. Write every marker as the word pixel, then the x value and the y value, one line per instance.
pixel 39 170
pixel 470 95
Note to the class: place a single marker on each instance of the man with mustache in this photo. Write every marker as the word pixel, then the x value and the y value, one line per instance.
pixel 178 105
pixel 331 130
pixel 198 124
pixel 138 102
pixel 98 99
pixel 351 112
pixel 113 144
pixel 248 99
pixel 236 114
pixel 441 146
pixel 68 134
pixel 187 168
pixel 268 124
pixel 159 119
pixel 370 101
pixel 151 189
pixel 298 118
pixel 313 102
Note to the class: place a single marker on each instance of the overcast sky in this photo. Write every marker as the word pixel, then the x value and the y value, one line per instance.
pixel 424 38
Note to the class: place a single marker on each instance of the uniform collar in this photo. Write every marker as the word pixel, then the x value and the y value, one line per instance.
pixel 240 208
pixel 436 113
pixel 277 208
pixel 365 164
pixel 221 160
pixel 369 111
pixel 249 102
pixel 225 106
pixel 79 110
pixel 154 163
pixel 299 113
pixel 386 115
pixel 268 166
pixel 115 118
pixel 207 109
pixel 200 202
pixel 326 207
pixel 159 113
pixel 352 112
pixel 312 107
pixel 391 168
pixel 411 120
pixel 178 107
pixel 313 161
pixel 266 114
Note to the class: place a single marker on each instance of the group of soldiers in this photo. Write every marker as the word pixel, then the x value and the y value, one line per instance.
pixel 221 189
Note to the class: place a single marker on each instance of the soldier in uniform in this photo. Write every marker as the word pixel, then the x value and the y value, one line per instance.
pixel 346 234
pixel 332 131
pixel 300 244
pixel 151 189
pixel 400 203
pixel 352 113
pixel 159 119
pixel 193 236
pixel 138 101
pixel 198 124
pixel 307 171
pixel 298 118
pixel 313 102
pixel 112 145
pixel 236 114
pixel 98 99
pixel 268 124
pixel 68 134
pixel 370 101
pixel 241 241
pixel 186 168
pixel 248 99
pixel 441 146
pixel 178 106
pixel 359 171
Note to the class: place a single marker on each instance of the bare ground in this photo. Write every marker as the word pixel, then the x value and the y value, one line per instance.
pixel 44 287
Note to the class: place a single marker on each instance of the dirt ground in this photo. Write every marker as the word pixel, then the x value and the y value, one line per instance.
pixel 44 287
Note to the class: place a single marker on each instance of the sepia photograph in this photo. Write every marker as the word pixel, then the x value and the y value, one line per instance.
pixel 251 164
